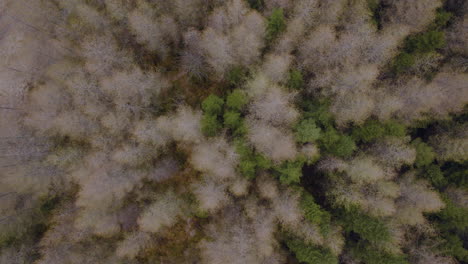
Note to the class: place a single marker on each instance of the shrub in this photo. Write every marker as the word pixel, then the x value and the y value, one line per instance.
pixel 337 144
pixel 403 62
pixel 250 161
pixel 213 105
pixel 425 155
pixel 374 129
pixel 368 228
pixel 236 76
pixel 395 129
pixel 425 42
pixel 236 100
pixel 376 11
pixel 372 5
pixel 452 218
pixel 243 149
pixel 435 176
pixel 452 222
pixel 290 171
pixel 344 147
pixel 456 173
pixel 262 161
pixel 314 214
pixel 232 120
pixel 241 130
pixel 310 254
pixel 370 255
pixel 210 125
pixel 317 110
pixel 307 131
pixel 442 18
pixel 276 24
pixel 453 246
pixel 256 4
pixel 247 168
pixel 368 132
pixel 295 80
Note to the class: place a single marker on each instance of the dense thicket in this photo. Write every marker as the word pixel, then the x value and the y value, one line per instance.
pixel 237 131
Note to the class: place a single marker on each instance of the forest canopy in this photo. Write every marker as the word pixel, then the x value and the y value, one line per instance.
pixel 234 131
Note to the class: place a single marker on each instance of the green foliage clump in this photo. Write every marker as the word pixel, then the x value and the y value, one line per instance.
pixel 314 213
pixel 213 105
pixel 435 176
pixel 403 62
pixel 368 132
pixel 310 254
pixel 330 141
pixel 210 125
pixel 452 217
pixel 442 18
pixel 452 223
pixel 318 111
pixel 262 162
pixel 201 214
pixel 236 100
pixel 369 228
pixel 456 173
pixel 235 122
pixel 250 161
pixel 425 42
pixel 307 131
pixel 453 246
pixel 373 129
pixel 338 144
pixel 213 108
pixel 241 130
pixel 395 129
pixel 32 227
pixel 375 9
pixel 373 5
pixel 256 4
pixel 290 171
pixel 295 80
pixel 232 119
pixel 247 168
pixel 276 24
pixel 425 155
pixel 370 255
pixel 236 76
